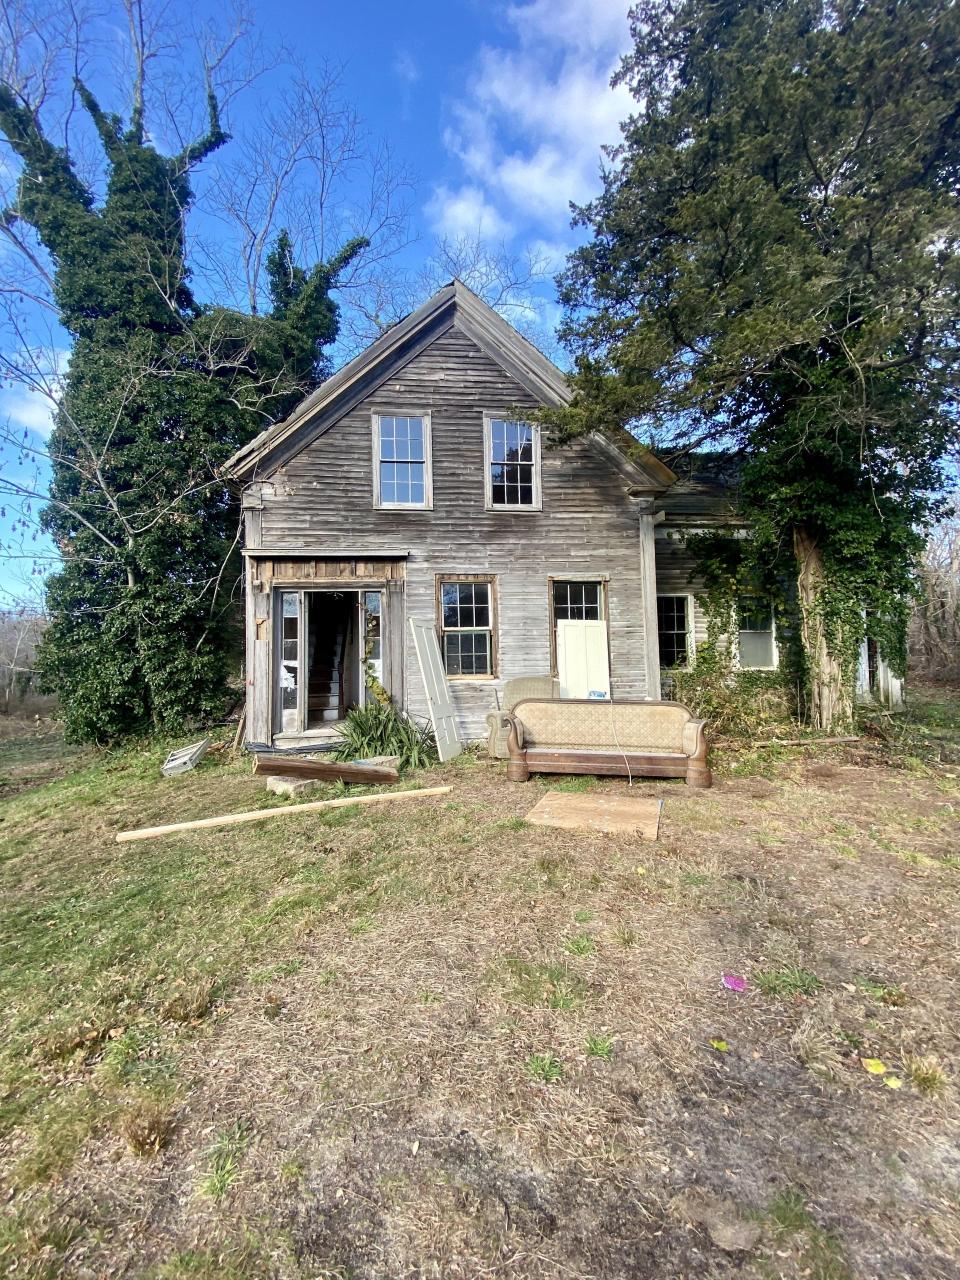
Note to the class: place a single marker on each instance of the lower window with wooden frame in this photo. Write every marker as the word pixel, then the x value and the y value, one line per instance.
pixel 467 621
pixel 574 600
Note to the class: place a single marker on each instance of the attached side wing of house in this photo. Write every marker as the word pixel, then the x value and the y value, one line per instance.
pixel 412 484
pixel 702 501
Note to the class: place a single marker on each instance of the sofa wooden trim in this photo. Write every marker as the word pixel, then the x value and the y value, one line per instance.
pixel 691 765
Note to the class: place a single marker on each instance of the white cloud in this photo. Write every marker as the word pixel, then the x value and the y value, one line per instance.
pixel 27 411
pixel 405 67
pixel 599 25
pixel 530 129
pixel 465 212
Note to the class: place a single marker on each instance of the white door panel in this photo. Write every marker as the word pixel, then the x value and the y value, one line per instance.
pixel 437 689
pixel 582 662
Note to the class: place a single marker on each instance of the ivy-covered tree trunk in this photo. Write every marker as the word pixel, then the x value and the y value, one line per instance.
pixel 830 682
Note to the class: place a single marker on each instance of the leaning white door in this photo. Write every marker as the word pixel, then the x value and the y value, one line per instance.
pixel 582 663
pixel 438 691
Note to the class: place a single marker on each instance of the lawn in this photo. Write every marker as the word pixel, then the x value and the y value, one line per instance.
pixel 432 1041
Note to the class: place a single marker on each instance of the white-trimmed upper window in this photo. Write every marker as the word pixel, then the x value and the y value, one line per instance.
pixel 757 636
pixel 401 461
pixel 511 464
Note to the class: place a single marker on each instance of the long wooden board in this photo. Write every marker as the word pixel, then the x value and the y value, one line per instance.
pixel 285 811
pixel 334 770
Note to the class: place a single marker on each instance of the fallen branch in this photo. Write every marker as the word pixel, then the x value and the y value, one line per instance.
pixel 259 815
pixel 808 742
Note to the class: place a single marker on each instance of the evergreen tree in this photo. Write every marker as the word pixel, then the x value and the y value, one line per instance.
pixel 160 392
pixel 773 268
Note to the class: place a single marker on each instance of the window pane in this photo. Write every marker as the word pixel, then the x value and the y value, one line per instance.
pixel 754 616
pixel 467 653
pixel 577 600
pixel 756 648
pixel 672 630
pixel 402 482
pixel 289 660
pixel 511 463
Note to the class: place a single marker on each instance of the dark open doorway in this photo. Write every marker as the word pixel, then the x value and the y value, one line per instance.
pixel 330 648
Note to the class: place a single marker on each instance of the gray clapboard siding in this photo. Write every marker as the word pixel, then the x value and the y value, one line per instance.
pixel 321 500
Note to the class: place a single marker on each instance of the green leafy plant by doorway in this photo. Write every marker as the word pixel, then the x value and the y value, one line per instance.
pixel 379 729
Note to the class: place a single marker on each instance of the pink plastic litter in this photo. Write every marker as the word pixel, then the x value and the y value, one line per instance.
pixel 733 982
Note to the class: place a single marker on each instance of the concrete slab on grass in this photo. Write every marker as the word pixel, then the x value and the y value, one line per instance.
pixel 597 812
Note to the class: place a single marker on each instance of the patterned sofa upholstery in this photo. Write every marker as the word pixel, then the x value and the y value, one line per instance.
pixel 639 739
pixel 514 691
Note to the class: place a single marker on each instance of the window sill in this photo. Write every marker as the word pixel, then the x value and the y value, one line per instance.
pixel 403 506
pixel 469 679
pixel 516 511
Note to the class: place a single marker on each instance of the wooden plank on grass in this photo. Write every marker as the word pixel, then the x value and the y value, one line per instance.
pixel 332 770
pixel 597 812
pixel 260 815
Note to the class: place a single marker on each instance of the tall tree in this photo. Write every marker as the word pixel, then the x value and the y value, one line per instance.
pixel 160 391
pixel 773 268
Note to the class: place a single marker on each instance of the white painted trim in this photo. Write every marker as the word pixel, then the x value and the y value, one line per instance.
pixel 648 579
pixel 427 504
pixel 537 505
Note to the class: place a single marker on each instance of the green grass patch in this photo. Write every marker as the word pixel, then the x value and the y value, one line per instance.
pixel 599 1046
pixel 784 983
pixel 544 1066
pixel 536 983
pixel 224 1160
pixel 581 944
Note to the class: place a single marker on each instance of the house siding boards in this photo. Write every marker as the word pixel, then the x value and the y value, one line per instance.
pixel 321 501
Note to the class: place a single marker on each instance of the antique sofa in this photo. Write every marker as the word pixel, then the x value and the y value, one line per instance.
pixel 638 739
pixel 514 691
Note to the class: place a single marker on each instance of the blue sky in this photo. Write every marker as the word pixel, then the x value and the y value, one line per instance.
pixel 496 111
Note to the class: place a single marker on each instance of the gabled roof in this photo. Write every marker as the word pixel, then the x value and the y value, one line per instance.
pixel 400 344
pixel 706 491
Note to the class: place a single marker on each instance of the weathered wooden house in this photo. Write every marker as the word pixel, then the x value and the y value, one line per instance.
pixel 411 485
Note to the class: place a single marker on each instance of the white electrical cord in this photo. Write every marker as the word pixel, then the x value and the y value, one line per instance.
pixel 613 725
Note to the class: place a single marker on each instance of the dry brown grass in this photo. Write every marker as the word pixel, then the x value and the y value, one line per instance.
pixel 146 1127
pixel 383 981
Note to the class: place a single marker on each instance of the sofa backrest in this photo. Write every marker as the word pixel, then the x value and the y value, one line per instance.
pixel 603 726
pixel 520 688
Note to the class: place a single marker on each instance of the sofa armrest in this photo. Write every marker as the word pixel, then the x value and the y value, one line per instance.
pixel 695 740
pixel 514 727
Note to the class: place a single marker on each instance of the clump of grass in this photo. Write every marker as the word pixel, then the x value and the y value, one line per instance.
pixel 263 976
pixel 788 1212
pixel 544 1066
pixel 135 1055
pixel 225 1156
pixel 272 1004
pixel 380 729
pixel 819 1254
pixel 626 936
pixel 146 1127
pixel 882 992
pixel 581 944
pixel 816 1047
pixel 511 824
pixel 600 1046
pixel 548 984
pixel 583 916
pixel 191 1004
pixel 787 982
pixel 926 1073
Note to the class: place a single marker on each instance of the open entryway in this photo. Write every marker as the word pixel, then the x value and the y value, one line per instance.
pixel 330 653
